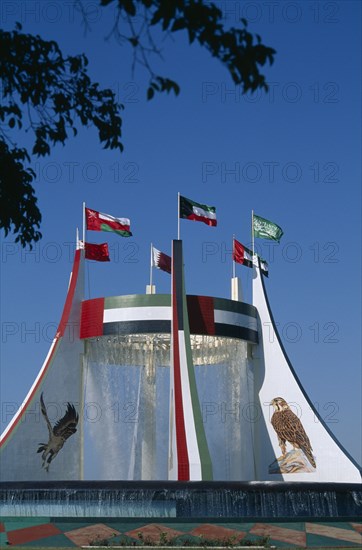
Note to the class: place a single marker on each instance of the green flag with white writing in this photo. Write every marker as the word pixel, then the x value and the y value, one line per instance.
pixel 265 229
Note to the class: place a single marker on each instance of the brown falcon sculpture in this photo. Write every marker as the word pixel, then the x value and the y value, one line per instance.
pixel 289 428
pixel 63 429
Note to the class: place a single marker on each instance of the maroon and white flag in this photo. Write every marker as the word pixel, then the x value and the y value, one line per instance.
pixel 161 260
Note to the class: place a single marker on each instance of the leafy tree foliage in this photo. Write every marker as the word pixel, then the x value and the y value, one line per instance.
pixel 239 51
pixel 54 94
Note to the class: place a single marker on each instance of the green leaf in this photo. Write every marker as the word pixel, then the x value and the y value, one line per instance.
pixel 150 93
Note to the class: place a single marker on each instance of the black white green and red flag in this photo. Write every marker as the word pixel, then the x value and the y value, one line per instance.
pixel 161 260
pixel 242 254
pixel 191 210
pixel 264 267
pixel 97 221
pixel 96 252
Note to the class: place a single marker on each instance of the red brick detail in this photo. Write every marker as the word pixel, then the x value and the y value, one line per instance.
pixel 154 532
pixel 91 323
pixel 85 535
pixel 30 534
pixel 291 536
pixel 201 314
pixel 2 528
pixel 218 532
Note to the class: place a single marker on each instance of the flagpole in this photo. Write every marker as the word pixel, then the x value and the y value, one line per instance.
pixel 151 270
pixel 77 244
pixel 233 257
pixel 84 223
pixel 252 232
pixel 178 216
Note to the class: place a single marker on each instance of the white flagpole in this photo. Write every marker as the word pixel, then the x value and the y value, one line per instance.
pixel 178 216
pixel 84 223
pixel 252 232
pixel 233 257
pixel 77 243
pixel 151 265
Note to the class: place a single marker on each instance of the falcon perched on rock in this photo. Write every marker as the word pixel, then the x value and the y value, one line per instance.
pixel 289 428
pixel 63 429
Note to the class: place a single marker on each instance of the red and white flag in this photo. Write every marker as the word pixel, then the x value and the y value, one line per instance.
pixel 161 260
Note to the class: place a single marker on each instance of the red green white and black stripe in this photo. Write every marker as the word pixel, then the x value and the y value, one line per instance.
pixel 191 210
pixel 97 221
pixel 242 254
pixel 189 457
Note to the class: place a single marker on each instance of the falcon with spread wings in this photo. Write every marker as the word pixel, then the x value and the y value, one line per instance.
pixel 63 429
pixel 289 428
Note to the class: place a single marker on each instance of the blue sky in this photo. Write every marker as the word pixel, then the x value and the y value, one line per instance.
pixel 292 155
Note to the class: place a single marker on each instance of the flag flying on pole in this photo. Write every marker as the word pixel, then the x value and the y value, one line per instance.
pixel 96 221
pixel 161 260
pixel 241 254
pixel 264 268
pixel 97 252
pixel 191 210
pixel 265 229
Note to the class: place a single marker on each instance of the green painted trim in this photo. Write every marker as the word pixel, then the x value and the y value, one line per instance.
pixel 137 300
pixel 238 307
pixel 206 464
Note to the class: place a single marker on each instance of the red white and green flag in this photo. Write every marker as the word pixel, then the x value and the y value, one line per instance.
pixel 96 252
pixel 97 221
pixel 191 210
pixel 161 260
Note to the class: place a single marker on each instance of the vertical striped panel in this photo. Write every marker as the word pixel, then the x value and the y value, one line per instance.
pixel 194 462
pixel 183 470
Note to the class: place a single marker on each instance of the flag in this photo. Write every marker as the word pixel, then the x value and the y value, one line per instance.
pixel 241 254
pixel 265 229
pixel 191 210
pixel 96 221
pixel 264 268
pixel 97 252
pixel 161 260
pixel 244 256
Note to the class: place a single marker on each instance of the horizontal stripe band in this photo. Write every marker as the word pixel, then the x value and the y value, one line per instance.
pixel 137 327
pixel 235 319
pixel 164 327
pixel 137 314
pixel 236 332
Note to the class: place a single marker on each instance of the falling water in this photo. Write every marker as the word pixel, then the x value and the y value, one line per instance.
pixel 127 406
pixel 182 500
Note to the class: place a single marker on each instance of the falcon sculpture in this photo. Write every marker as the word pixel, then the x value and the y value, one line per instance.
pixel 63 429
pixel 289 428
